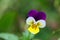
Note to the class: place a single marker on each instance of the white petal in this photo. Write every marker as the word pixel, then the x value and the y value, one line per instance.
pixel 42 22
pixel 30 20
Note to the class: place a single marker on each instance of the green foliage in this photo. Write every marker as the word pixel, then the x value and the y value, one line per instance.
pixel 9 17
pixel 46 4
pixel 7 36
pixel 5 4
pixel 44 34
pixel 7 21
pixel 27 35
pixel 56 3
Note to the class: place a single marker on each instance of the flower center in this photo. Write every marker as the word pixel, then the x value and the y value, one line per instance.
pixel 34 26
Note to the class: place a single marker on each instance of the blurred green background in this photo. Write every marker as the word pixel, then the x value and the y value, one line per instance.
pixel 13 14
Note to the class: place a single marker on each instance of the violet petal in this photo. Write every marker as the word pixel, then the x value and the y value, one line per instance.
pixel 37 15
pixel 41 15
pixel 32 13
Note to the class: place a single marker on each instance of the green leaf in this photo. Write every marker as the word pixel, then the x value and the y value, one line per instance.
pixel 8 36
pixel 7 21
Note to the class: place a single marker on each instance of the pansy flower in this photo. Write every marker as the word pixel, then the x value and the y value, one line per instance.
pixel 35 21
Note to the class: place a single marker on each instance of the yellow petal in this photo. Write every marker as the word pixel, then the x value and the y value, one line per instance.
pixel 33 30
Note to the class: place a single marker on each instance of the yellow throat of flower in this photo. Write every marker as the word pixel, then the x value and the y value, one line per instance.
pixel 33 28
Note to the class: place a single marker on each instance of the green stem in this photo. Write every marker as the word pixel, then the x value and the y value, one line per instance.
pixel 27 36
